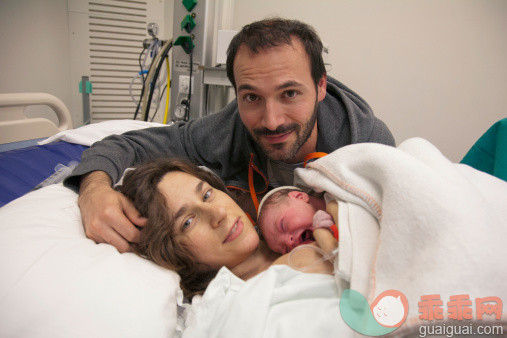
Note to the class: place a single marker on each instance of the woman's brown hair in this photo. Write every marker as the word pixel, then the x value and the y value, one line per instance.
pixel 158 242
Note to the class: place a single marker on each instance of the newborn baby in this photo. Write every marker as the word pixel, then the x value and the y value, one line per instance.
pixel 288 217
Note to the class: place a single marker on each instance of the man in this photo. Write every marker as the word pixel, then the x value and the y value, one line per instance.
pixel 286 108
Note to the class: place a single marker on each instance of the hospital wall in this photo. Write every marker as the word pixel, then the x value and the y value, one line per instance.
pixel 429 68
pixel 35 55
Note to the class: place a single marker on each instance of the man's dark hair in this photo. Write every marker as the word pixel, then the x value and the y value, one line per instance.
pixel 274 32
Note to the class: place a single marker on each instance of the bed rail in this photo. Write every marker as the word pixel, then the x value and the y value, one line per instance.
pixel 16 126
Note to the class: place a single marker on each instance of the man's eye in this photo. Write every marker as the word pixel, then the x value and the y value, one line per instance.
pixel 291 94
pixel 187 223
pixel 250 97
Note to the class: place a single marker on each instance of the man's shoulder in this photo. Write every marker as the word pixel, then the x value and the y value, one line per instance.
pixel 346 118
pixel 346 97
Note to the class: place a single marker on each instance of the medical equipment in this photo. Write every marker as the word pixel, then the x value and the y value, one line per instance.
pixel 190 84
pixel 150 82
pixel 156 51
pixel 194 26
pixel 61 172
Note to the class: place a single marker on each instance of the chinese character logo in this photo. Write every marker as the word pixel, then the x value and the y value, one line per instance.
pixel 459 307
pixel 387 312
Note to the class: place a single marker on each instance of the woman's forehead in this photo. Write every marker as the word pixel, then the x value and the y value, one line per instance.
pixel 182 179
pixel 176 185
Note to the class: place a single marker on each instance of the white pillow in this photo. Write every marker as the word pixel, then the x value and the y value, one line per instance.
pixel 91 133
pixel 57 283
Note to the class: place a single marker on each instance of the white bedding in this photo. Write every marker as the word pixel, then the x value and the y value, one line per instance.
pixel 412 221
pixel 57 283
pixel 408 219
pixel 279 302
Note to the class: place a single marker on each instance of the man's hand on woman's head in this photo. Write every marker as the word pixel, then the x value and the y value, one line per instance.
pixel 108 216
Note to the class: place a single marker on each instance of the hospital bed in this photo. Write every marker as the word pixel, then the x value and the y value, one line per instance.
pixel 56 282
pixel 16 126
pixel 23 163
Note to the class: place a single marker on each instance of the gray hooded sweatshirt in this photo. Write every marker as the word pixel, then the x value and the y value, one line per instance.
pixel 222 143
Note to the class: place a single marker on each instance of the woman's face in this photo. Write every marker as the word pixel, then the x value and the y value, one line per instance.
pixel 215 229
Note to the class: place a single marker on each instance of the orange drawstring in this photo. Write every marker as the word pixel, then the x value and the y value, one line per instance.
pixel 250 175
pixel 312 156
pixel 251 185
pixel 251 219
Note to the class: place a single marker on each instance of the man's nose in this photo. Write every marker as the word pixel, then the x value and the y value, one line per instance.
pixel 272 117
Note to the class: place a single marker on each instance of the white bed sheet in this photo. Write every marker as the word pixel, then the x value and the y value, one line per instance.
pixel 57 283
pixel 280 302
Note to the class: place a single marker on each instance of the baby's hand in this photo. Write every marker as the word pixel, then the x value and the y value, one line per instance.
pixel 322 219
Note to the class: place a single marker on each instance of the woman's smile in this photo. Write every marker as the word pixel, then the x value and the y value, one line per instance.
pixel 235 232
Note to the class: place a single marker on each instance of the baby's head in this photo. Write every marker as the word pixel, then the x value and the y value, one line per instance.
pixel 285 218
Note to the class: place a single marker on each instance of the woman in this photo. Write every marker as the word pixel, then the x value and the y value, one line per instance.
pixel 194 227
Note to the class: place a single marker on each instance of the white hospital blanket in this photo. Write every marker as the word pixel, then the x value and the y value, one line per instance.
pixel 412 221
pixel 279 302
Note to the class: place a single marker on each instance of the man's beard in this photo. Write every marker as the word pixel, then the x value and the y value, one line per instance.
pixel 283 151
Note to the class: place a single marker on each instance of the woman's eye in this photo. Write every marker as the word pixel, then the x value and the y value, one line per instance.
pixel 207 195
pixel 187 223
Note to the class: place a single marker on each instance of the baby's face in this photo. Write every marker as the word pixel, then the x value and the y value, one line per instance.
pixel 287 224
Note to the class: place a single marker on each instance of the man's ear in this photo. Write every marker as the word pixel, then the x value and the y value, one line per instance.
pixel 299 195
pixel 321 88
